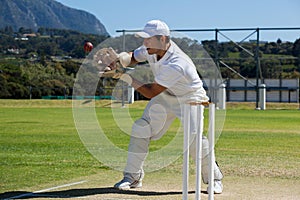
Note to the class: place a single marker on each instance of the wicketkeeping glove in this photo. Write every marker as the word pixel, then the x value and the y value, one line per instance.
pixel 110 63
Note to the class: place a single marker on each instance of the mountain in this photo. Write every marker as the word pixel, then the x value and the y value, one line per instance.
pixel 47 13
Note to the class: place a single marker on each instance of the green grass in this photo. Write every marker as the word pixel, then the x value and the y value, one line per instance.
pixel 39 143
pixel 261 143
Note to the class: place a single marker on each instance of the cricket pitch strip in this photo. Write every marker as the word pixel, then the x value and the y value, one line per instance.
pixel 161 185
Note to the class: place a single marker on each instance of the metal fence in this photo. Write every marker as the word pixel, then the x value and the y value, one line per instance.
pixel 249 93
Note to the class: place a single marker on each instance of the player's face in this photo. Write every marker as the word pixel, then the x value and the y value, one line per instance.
pixel 153 44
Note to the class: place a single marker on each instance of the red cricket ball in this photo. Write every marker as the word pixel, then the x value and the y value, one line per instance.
pixel 88 46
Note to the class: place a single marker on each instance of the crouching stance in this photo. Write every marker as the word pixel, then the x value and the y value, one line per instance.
pixel 176 82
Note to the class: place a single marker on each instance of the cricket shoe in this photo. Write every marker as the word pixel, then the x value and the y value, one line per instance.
pixel 127 183
pixel 218 187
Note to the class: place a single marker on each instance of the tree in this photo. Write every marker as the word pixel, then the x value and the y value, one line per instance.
pixel 4 93
pixel 278 41
pixel 296 52
pixel 296 48
pixel 8 30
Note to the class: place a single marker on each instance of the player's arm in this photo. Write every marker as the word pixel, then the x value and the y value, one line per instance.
pixel 148 90
pixel 108 56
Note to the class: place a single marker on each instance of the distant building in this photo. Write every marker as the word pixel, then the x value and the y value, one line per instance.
pixel 13 51
pixel 22 38
pixel 27 35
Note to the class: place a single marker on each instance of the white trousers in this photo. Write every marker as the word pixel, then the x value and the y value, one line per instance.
pixel 154 123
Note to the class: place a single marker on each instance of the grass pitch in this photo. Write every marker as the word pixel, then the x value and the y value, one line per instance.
pixel 39 144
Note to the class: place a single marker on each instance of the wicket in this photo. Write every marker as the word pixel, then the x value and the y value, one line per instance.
pixel 199 128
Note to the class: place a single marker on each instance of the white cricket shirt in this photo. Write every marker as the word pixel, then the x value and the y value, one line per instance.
pixel 175 71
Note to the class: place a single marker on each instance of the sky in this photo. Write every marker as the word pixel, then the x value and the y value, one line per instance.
pixel 199 14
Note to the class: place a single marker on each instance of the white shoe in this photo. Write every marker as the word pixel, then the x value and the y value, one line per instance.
pixel 126 184
pixel 218 187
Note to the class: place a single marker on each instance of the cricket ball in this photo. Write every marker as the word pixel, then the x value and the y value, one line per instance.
pixel 88 46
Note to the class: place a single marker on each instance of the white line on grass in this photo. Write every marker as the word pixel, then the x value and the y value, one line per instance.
pixel 47 189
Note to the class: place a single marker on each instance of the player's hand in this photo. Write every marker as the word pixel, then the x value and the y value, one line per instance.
pixel 110 63
pixel 114 71
pixel 106 57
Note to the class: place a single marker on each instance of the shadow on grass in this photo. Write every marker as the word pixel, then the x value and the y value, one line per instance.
pixel 72 193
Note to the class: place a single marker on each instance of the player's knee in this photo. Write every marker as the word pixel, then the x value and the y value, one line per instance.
pixel 141 129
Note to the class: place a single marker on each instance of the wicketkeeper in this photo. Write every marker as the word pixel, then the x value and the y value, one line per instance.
pixel 176 82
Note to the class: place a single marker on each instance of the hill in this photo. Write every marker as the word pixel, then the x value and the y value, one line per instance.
pixel 33 14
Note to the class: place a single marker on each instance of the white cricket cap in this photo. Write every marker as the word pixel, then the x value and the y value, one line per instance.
pixel 154 27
